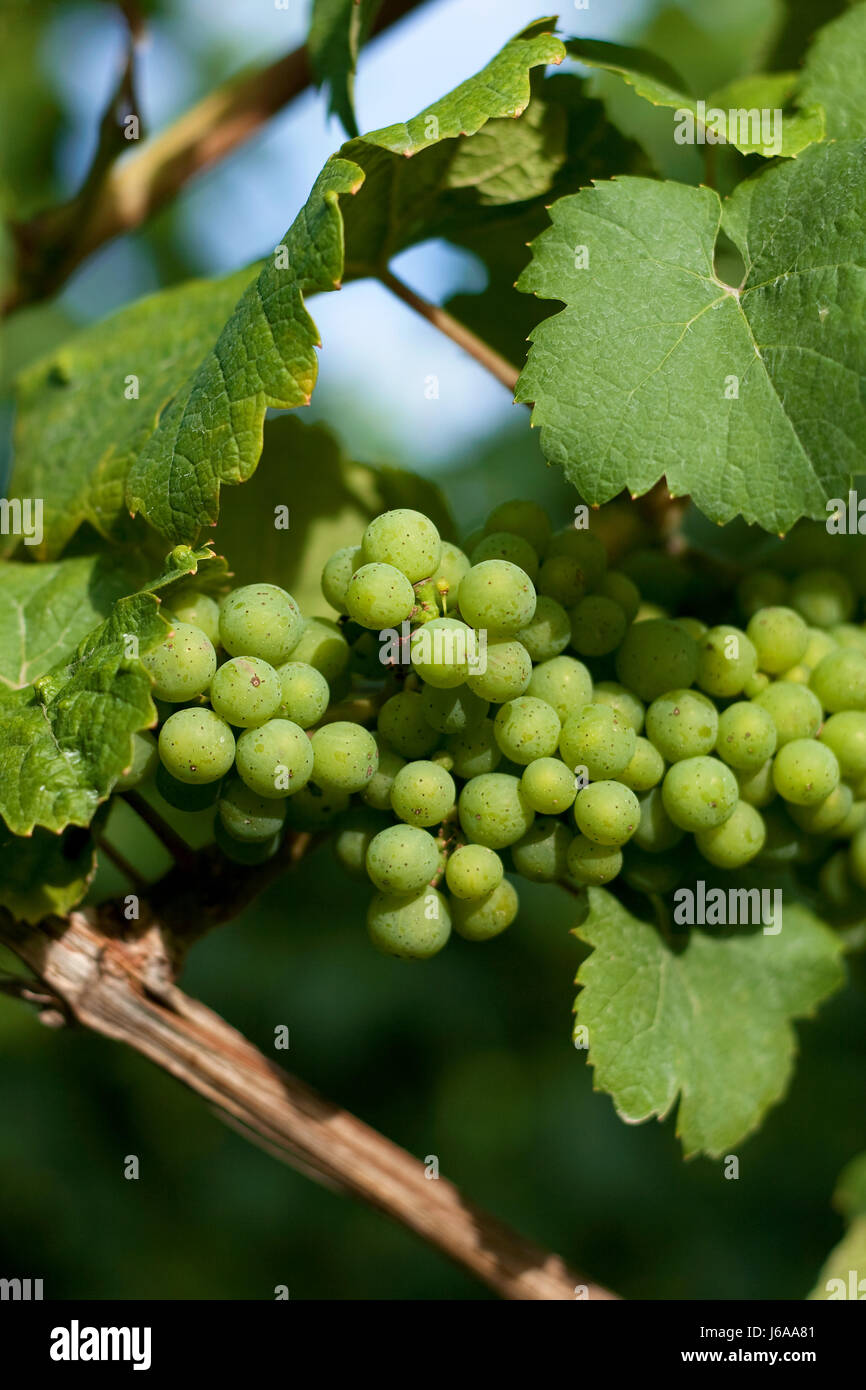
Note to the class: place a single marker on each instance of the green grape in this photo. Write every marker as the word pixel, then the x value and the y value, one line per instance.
pixel 855 820
pixel 377 792
pixel 498 596
pixel 623 591
pixel 650 873
pixel 761 589
pixel 823 817
pixel 143 761
pixel 494 811
pixel 344 755
pixel 473 871
pixel 322 644
pixel 736 841
pixel 405 539
pixel 442 759
pixel 819 644
pixel 357 828
pixel 747 736
pixel 186 796
pixel 402 859
pixel 755 684
pixel 564 683
pixel 337 573
pixel 805 771
pixel 699 793
pixel 453 565
pixel 480 919
pixel 260 620
pixel 441 652
pixel 247 816
pixel 823 598
pixel 275 759
pixel 189 605
pixel 628 706
pixel 246 692
pixel 181 667
pixel 656 832
pixel 645 769
pixel 504 545
pixel 549 633
pixel 402 725
pixel 506 673
pixel 597 739
pixel 247 852
pixel 591 865
pixel 693 626
pixel 304 693
pixel 379 596
pixel 527 728
pixel 413 926
pixel 845 733
pixel 652 612
pixel 857 859
pixel 561 578
pixel 848 635
pixel 607 813
pixel 779 636
pixel 598 625
pixel 475 751
pixel 727 659
pixel 794 709
pixel 797 675
pixel 422 793
pixel 195 745
pixel 757 786
pixel 839 681
pixel 453 711
pixel 541 855
pixel 682 724
pixel 656 656
pixel 549 786
pixel 585 548
pixel 834 881
pixel 314 808
pixel 521 518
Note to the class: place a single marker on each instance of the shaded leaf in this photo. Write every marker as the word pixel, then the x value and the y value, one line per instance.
pixel 834 74
pixel 45 874
pixel 338 28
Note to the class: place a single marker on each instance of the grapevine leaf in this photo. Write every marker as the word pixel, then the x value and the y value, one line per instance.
pixel 80 422
pixel 45 874
pixel 709 1023
pixel 338 29
pixel 834 74
pixel 749 399
pixel 746 98
pixel 328 499
pixel 835 1280
pixel 65 740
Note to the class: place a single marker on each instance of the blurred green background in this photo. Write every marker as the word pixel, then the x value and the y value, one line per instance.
pixel 468 1057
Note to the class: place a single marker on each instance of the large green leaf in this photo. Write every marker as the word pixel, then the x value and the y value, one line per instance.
pixel 65 740
pixel 708 1023
pixel 338 28
pixel 835 74
pixel 725 112
pixel 751 399
pixel 45 874
pixel 80 423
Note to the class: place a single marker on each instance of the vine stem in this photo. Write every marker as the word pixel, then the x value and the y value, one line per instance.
pixel 491 360
pixel 122 987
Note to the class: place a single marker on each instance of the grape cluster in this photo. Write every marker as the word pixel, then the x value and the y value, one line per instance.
pixel 528 713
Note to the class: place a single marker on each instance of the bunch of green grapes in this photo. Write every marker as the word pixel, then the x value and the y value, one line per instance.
pixel 515 709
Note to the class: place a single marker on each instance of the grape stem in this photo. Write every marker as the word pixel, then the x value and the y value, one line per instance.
pixel 491 360
pixel 120 862
pixel 176 846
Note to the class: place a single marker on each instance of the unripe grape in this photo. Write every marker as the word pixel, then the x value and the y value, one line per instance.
pixel 682 724
pixel 823 598
pixel 441 652
pixel 195 745
pixel 186 796
pixel 379 596
pixel 805 771
pixel 736 841
pixel 377 792
pixel 473 871
pixel 839 680
pixel 585 548
pixel 453 564
pixel 246 852
pixel 181 667
pixel 597 739
pixel 699 793
pixel 322 644
pixel 357 829
pixel 522 518
pixel 794 709
pixel 247 816
pixel 761 589
pixel 275 759
pixel 260 620
pixel 405 539
pixel 313 808
pixel 561 578
pixel 645 769
pixel 526 729
pixel 607 813
pixel 507 672
pixel 549 786
pixel 344 756
pixel 592 865
pixel 337 573
pixel 143 761
pixel 779 636
pixel 845 733
pixel 598 625
pixel 549 632
pixel 757 786
pixel 191 606
pixel 413 926
pixel 541 854
pixel 656 656
pixel 623 591
pixel 481 919
pixel 494 811
pixel 656 832
pixel 504 545
pixel 627 706
pixel 402 859
pixel 245 691
pixel 564 683
pixel 422 793
pixel 304 693
pixel 402 725
pixel 498 596
pixel 747 736
pixel 452 711
pixel 475 751
pixel 727 659
pixel 823 817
